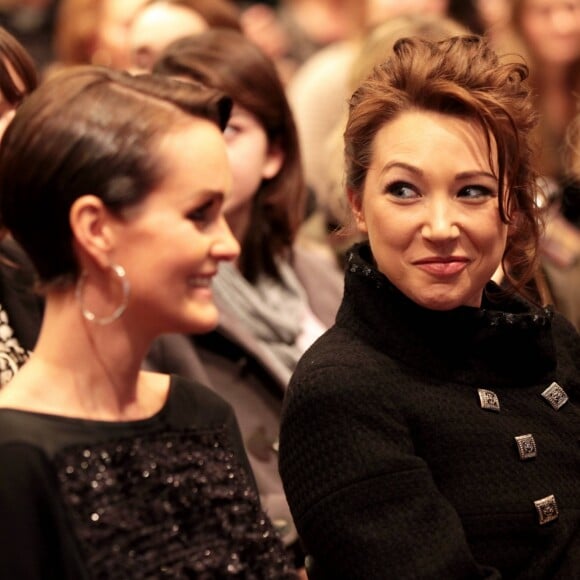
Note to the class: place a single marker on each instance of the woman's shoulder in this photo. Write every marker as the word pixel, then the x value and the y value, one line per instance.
pixel 339 347
pixel 192 403
pixel 338 362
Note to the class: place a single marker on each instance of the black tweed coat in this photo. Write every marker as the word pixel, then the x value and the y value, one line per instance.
pixel 435 445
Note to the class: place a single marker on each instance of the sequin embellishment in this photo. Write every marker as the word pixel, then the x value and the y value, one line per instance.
pixel 168 505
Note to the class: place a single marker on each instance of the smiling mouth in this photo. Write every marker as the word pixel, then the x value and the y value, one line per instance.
pixel 199 281
pixel 443 267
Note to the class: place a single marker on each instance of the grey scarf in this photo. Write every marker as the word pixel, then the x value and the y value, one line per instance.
pixel 271 310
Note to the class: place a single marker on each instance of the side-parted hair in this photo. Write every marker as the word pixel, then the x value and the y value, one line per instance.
pixel 228 61
pixel 13 53
pixel 89 130
pixel 464 78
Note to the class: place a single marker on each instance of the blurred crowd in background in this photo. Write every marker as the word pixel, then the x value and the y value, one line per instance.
pixel 322 49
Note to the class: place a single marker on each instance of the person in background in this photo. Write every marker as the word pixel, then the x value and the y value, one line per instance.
pixel 560 248
pixel 547 34
pixel 326 160
pixel 294 30
pixel 32 23
pixel 433 431
pixel 159 22
pixel 92 32
pixel 109 471
pixel 20 307
pixel 277 297
pixel 75 30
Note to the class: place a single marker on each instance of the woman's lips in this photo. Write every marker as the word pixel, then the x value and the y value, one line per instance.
pixel 442 267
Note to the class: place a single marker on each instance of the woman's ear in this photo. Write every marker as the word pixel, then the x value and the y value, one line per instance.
pixel 355 202
pixel 274 162
pixel 90 225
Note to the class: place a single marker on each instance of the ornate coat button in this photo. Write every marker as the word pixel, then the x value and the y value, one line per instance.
pixel 555 395
pixel 526 446
pixel 488 400
pixel 547 509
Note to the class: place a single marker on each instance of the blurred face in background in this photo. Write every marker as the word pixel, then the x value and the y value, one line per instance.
pixel 111 44
pixel 155 27
pixel 380 10
pixel 551 29
pixel 493 13
pixel 252 159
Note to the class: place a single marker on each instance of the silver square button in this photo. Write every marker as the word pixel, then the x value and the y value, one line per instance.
pixel 547 509
pixel 526 446
pixel 555 395
pixel 488 400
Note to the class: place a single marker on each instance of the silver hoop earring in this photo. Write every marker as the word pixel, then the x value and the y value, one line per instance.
pixel 119 271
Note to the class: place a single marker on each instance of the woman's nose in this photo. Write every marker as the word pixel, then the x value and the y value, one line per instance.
pixel 226 246
pixel 440 222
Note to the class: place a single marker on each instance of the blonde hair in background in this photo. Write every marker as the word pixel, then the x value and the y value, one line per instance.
pixel 374 49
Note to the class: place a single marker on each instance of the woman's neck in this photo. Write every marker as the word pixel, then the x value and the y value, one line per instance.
pixel 84 370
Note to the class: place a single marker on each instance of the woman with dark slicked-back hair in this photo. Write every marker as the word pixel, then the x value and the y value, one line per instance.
pixel 20 307
pixel 277 297
pixel 114 186
pixel 433 431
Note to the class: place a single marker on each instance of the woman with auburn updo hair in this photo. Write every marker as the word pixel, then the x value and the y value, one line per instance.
pixel 114 186
pixel 20 307
pixel 433 431
pixel 277 297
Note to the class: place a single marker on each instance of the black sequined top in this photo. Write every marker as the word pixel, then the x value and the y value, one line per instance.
pixel 171 496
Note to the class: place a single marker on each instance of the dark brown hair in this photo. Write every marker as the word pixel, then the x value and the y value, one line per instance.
pixel 462 77
pixel 88 130
pixel 12 52
pixel 228 61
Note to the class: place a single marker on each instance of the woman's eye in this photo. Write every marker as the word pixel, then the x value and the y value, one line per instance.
pixel 476 192
pixel 401 190
pixel 232 130
pixel 201 213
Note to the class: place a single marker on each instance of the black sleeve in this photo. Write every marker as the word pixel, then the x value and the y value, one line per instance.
pixel 35 540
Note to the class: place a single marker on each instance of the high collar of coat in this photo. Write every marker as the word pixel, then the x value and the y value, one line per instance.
pixel 506 342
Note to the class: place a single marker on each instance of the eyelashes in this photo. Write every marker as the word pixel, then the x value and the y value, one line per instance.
pixel 404 190
pixel 476 192
pixel 401 190
pixel 203 212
